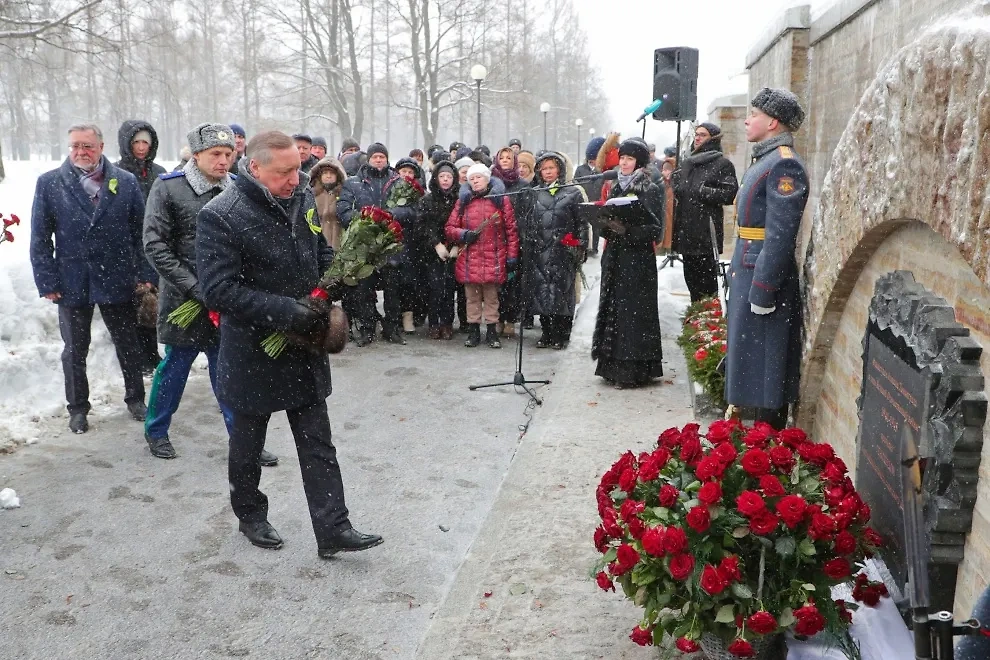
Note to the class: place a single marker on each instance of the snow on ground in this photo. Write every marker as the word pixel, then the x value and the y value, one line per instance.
pixel 672 298
pixel 9 499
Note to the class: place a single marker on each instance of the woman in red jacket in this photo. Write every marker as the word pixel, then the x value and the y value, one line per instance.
pixel 484 223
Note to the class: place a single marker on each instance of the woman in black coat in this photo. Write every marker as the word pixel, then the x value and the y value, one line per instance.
pixel 438 254
pixel 506 168
pixel 551 268
pixel 704 183
pixel 626 343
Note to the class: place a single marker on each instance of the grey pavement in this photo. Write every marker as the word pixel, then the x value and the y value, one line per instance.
pixel 115 554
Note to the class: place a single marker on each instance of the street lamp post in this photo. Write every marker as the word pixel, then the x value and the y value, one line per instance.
pixel 579 123
pixel 479 72
pixel 544 108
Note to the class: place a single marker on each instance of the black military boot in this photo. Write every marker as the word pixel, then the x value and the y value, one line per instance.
pixel 473 335
pixel 491 337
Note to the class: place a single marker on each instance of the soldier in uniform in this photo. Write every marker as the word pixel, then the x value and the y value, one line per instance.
pixel 764 306
pixel 170 245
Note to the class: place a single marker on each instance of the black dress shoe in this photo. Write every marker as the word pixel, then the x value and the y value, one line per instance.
pixel 349 540
pixel 261 534
pixel 138 410
pixel 160 447
pixel 268 459
pixel 78 423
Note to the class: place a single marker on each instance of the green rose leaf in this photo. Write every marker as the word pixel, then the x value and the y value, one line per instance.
pixel 786 546
pixel 367 270
pixel 787 617
pixel 643 575
pixel 641 595
pixel 725 614
pixel 807 548
pixel 807 586
pixel 740 532
pixel 740 590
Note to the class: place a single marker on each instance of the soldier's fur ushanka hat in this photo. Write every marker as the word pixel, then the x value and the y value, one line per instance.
pixel 782 105
pixel 207 136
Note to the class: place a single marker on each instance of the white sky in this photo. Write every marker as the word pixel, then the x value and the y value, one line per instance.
pixel 624 33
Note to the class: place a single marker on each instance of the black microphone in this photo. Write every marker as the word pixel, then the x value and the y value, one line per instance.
pixel 650 109
pixel 611 175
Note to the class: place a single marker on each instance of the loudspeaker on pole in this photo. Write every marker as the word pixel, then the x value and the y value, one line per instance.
pixel 675 82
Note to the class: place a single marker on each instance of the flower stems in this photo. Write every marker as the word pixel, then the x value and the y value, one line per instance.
pixel 274 344
pixel 184 315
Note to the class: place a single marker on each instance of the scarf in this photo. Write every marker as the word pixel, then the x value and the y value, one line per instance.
pixel 92 181
pixel 508 177
pixel 625 180
pixel 761 149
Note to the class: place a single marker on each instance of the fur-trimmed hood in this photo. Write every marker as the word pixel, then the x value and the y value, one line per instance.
pixel 564 165
pixel 327 163
pixel 496 191
pixel 605 159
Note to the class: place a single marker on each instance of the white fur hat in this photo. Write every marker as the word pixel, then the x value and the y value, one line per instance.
pixel 479 168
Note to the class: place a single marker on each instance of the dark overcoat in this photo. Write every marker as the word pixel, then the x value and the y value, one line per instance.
pixel 255 259
pixel 170 243
pixel 91 255
pixel 704 183
pixel 764 350
pixel 628 322
pixel 550 268
pixel 146 170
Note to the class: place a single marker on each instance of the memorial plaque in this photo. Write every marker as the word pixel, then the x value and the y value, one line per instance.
pixel 895 398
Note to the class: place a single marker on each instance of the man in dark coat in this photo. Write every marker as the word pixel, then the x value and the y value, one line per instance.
pixel 94 211
pixel 137 142
pixel 304 144
pixel 704 183
pixel 366 188
pixel 764 306
pixel 593 187
pixel 170 243
pixel 240 142
pixel 257 257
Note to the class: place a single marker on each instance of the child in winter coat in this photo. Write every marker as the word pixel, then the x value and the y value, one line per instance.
pixel 483 222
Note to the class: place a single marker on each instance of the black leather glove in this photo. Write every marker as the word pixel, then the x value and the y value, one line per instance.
pixel 306 320
pixel 470 236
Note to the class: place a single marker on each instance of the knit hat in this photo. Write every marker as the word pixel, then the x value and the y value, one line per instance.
pixel 320 142
pixel 462 152
pixel 238 130
pixel 303 137
pixel 527 158
pixel 479 168
pixel 141 135
pixel 514 142
pixel 377 148
pixel 669 152
pixel 444 165
pixel 594 144
pixel 461 163
pixel 636 148
pixel 349 143
pixel 782 105
pixel 207 136
pixel 712 129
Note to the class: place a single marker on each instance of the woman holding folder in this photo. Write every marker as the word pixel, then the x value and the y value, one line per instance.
pixel 627 331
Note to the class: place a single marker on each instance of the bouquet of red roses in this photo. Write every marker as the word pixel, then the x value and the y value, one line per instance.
pixel 404 192
pixel 365 246
pixel 731 536
pixel 8 236
pixel 703 340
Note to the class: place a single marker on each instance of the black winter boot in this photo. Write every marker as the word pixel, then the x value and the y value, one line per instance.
pixel 491 337
pixel 473 335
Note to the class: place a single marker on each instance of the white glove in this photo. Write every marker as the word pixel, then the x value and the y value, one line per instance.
pixel 454 251
pixel 441 251
pixel 756 309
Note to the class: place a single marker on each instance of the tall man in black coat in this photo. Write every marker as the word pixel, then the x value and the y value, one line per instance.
pixel 256 258
pixel 704 183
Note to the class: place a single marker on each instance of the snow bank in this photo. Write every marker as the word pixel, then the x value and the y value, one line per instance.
pixel 672 298
pixel 9 499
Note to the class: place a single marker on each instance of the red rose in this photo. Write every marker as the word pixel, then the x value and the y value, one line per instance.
pixel 821 528
pixel 756 462
pixel 604 581
pixel 845 543
pixel 763 523
pixel 837 568
pixel 627 480
pixel 872 538
pixel 699 519
pixel 757 438
pixel 643 637
pixel 807 453
pixel 631 508
pixel 771 486
pixel 791 509
pixel 726 452
pixel 652 541
pixel 729 568
pixel 710 493
pixel 741 648
pixel 674 540
pixel 627 460
pixel 719 431
pixel 867 595
pixel 864 513
pixel 850 504
pixel 700 355
pixel 667 496
pixel 834 495
pixel 844 612
pixel 626 557
pixel 661 456
pixel 636 528
pixel 792 437
pixel 648 469
pixel 601 539
pixel 824 454
pixel 809 620
pixel 686 645
pixel 842 520
pixel 762 623
pixel 670 438
pixel 782 458
pixel 834 471
pixel 609 480
pixel 711 581
pixel 708 467
pixel 690 449
pixel 611 524
pixel 681 566
pixel 750 503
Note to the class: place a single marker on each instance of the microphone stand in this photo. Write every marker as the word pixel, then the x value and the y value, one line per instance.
pixel 518 378
pixel 672 256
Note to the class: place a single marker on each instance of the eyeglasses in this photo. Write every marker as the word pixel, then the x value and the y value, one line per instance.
pixel 83 146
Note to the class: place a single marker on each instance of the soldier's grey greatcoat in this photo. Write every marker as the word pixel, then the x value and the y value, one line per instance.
pixel 764 351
